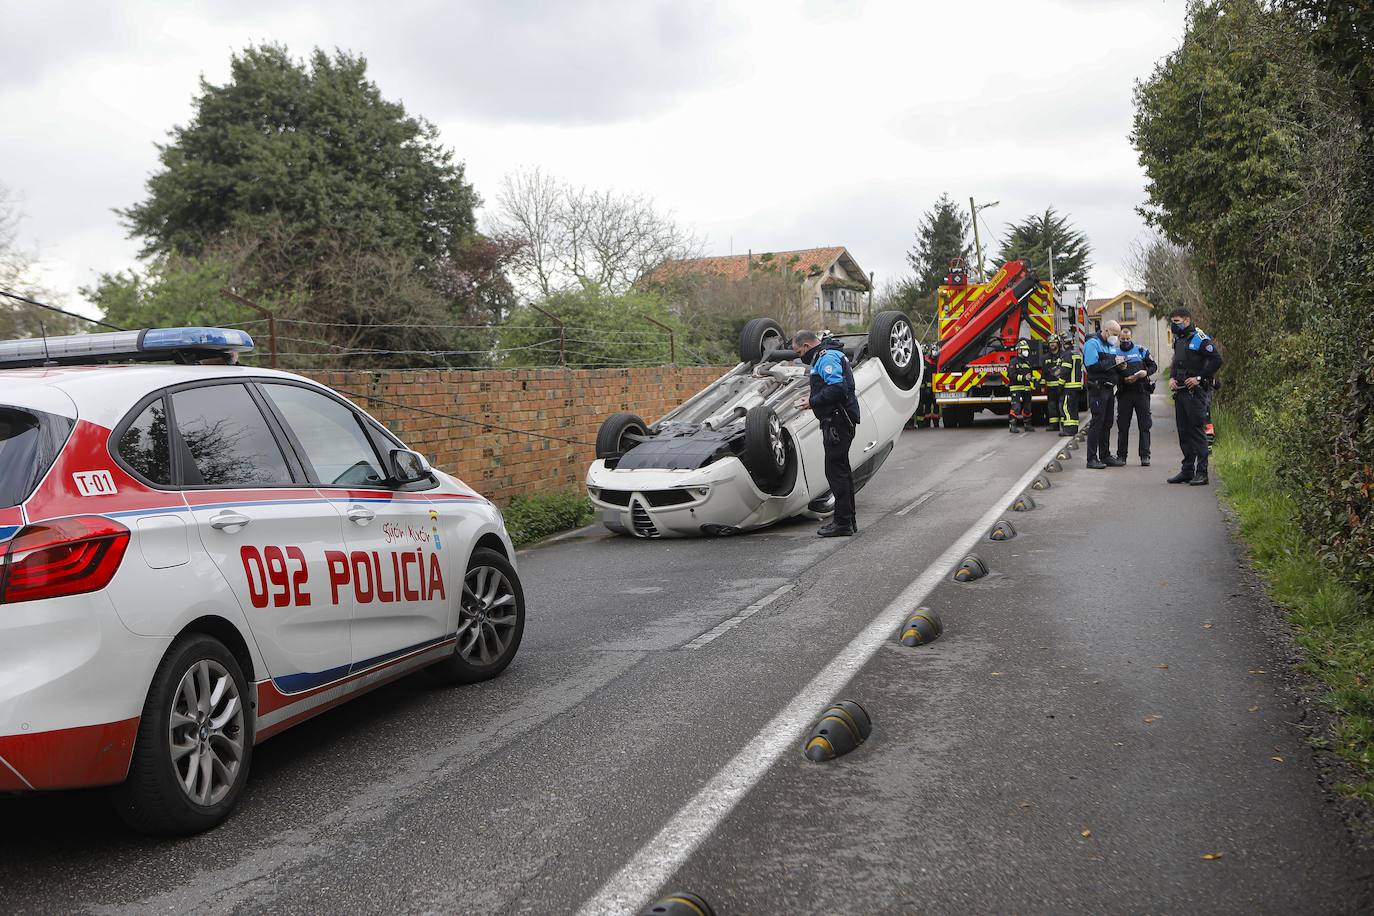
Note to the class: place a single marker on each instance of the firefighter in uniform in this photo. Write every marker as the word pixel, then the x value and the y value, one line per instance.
pixel 1054 382
pixel 1102 356
pixel 927 411
pixel 1133 397
pixel 1071 368
pixel 836 405
pixel 1191 377
pixel 1020 377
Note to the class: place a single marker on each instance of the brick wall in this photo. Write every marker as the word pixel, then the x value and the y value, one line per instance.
pixel 564 403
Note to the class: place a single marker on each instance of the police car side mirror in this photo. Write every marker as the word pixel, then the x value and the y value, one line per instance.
pixel 409 467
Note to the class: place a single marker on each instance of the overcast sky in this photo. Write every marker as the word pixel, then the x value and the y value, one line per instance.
pixel 761 125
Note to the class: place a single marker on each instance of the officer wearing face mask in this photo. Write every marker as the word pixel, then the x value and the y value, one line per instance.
pixel 1191 378
pixel 1103 359
pixel 1020 374
pixel 1133 397
pixel 836 404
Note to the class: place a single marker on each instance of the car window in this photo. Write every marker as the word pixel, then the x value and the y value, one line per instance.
pixel 229 441
pixel 29 443
pixel 330 434
pixel 143 444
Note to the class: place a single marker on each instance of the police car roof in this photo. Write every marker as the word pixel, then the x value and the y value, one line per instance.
pixel 150 345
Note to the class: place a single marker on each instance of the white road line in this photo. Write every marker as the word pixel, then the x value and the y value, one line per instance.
pixel 983 458
pixel 915 503
pixel 657 860
pixel 738 619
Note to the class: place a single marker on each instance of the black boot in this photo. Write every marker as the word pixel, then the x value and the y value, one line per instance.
pixel 1114 462
pixel 1095 464
pixel 835 530
pixel 1199 479
pixel 1145 462
pixel 1183 476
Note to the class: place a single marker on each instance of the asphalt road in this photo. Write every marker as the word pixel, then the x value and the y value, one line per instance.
pixel 1114 676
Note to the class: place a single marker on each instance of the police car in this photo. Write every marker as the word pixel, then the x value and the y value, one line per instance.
pixel 196 557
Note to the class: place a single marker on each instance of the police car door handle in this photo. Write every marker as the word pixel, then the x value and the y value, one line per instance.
pixel 229 522
pixel 360 514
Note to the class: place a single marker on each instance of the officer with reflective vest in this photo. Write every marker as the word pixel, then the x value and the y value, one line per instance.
pixel 1071 369
pixel 1191 378
pixel 1054 382
pixel 1020 378
pixel 927 410
pixel 836 404
pixel 1102 356
pixel 1133 397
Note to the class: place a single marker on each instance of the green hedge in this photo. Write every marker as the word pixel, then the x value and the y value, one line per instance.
pixel 529 518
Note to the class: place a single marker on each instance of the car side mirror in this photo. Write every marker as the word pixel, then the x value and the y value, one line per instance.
pixel 409 467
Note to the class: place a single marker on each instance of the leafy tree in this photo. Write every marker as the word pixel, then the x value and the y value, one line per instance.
pixel 941 236
pixel 1035 237
pixel 314 147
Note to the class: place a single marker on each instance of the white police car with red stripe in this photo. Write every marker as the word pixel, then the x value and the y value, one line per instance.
pixel 195 557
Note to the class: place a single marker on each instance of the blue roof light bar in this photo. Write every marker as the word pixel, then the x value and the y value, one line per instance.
pixel 154 344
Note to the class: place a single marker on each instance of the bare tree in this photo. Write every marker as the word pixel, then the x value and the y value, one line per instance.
pixel 571 237
pixel 17 275
pixel 1163 271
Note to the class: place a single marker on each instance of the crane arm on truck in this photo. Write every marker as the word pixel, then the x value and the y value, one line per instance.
pixel 996 311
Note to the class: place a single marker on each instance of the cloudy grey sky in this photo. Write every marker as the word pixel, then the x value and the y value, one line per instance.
pixel 761 124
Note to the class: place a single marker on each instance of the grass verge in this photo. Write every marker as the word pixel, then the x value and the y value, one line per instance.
pixel 529 518
pixel 1335 632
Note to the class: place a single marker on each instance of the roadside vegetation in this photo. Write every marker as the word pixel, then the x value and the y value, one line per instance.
pixel 1324 608
pixel 529 518
pixel 1257 138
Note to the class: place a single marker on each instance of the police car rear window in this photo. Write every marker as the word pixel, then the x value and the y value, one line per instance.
pixel 29 443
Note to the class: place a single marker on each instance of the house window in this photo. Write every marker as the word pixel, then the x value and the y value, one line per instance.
pixel 818 302
pixel 1128 310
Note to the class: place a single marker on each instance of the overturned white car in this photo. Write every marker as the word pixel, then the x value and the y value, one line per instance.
pixel 740 454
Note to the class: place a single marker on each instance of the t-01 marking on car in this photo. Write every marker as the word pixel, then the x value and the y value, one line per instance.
pixel 741 454
pixel 196 557
pixel 95 483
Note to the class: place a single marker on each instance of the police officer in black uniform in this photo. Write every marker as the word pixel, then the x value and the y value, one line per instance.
pixel 1191 377
pixel 1133 396
pixel 836 405
pixel 1102 357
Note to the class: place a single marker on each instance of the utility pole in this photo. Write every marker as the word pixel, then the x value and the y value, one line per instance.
pixel 977 243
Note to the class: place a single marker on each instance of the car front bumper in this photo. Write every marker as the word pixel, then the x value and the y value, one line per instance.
pixel 717 499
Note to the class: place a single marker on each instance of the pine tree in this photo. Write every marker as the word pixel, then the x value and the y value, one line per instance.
pixel 941 236
pixel 1036 236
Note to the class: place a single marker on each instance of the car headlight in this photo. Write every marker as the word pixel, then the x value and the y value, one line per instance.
pixel 702 491
pixel 594 492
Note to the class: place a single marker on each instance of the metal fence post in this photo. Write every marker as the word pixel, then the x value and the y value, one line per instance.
pixel 562 335
pixel 271 322
pixel 672 340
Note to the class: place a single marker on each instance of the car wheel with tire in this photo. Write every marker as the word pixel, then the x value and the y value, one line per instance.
pixel 758 337
pixel 619 433
pixel 491 621
pixel 765 449
pixel 893 340
pixel 194 745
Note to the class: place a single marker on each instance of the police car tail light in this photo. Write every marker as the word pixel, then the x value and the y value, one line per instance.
pixel 69 556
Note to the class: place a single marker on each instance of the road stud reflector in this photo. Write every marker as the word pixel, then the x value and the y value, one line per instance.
pixel 1002 531
pixel 1071 445
pixel 970 568
pixel 923 626
pixel 1062 455
pixel 678 903
pixel 1054 467
pixel 1040 483
pixel 1024 503
pixel 842 727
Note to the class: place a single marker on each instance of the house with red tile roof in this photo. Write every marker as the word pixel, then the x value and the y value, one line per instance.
pixel 833 281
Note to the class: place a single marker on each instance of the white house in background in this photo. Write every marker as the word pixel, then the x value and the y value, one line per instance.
pixel 1134 311
pixel 837 285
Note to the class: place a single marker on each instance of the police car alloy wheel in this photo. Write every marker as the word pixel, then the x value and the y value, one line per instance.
pixel 194 743
pixel 491 620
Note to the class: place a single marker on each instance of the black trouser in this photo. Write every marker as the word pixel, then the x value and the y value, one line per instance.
pixel 1190 414
pixel 1020 408
pixel 837 434
pixel 1133 399
pixel 1054 395
pixel 1068 419
pixel 1102 403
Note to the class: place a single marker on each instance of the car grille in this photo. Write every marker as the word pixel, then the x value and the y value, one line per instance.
pixel 639 518
pixel 615 497
pixel 659 498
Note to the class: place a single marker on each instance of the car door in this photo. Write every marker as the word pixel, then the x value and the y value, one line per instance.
pixel 267 528
pixel 393 570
